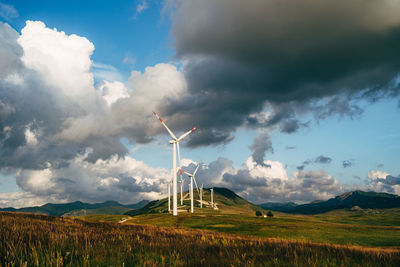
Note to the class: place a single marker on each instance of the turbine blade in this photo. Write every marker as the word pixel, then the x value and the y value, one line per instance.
pixel 197 188
pixel 166 127
pixel 186 134
pixel 189 174
pixel 197 168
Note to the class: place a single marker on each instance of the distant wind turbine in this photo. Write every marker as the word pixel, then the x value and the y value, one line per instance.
pixel 192 178
pixel 175 144
pixel 212 197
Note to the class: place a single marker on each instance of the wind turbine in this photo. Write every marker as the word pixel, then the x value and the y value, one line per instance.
pixel 212 197
pixel 175 144
pixel 192 177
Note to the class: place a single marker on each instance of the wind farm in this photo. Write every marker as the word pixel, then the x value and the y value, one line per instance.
pixel 199 133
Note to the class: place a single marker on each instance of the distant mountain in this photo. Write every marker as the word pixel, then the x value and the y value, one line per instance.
pixel 364 200
pixel 227 202
pixel 60 209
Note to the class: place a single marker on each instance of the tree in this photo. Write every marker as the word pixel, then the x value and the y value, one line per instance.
pixel 258 213
pixel 270 214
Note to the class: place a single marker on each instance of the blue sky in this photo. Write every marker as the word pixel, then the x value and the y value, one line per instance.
pixel 134 35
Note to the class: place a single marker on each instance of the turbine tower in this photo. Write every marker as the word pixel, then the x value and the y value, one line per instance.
pixel 201 196
pixel 169 196
pixel 192 177
pixel 175 144
pixel 212 197
pixel 180 171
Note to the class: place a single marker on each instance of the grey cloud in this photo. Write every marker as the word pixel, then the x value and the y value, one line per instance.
pixel 390 180
pixel 302 187
pixel 347 163
pixel 240 55
pixel 320 159
pixel 323 159
pixel 261 145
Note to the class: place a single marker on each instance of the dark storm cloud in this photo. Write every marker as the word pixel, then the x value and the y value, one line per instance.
pixel 310 55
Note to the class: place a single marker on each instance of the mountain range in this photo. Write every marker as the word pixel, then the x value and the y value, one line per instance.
pixel 358 199
pixel 227 202
pixel 80 208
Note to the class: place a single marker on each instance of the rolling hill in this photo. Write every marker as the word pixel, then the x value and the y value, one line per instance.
pixel 361 199
pixel 108 207
pixel 227 202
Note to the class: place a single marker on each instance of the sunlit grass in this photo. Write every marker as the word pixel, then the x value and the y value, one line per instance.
pixel 37 240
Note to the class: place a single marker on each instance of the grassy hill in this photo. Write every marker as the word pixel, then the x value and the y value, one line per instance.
pixel 226 202
pixel 361 199
pixel 378 228
pixel 39 240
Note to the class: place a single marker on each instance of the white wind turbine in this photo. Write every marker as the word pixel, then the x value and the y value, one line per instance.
pixel 169 196
pixel 175 144
pixel 192 178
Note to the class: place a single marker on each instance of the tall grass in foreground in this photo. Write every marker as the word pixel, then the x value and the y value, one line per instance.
pixel 37 240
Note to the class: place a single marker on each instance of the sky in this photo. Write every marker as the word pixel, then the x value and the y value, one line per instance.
pixel 294 101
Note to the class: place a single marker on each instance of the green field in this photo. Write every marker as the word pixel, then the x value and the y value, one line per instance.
pixel 40 240
pixel 377 228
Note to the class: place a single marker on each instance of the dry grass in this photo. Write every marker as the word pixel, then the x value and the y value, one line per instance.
pixel 38 240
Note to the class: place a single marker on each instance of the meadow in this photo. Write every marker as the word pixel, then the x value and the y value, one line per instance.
pixel 39 240
pixel 375 228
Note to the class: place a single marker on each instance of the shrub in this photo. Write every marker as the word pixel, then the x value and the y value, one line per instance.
pixel 258 213
pixel 270 214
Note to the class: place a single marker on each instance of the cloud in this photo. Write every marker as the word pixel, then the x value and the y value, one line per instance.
pixel 242 58
pixel 375 174
pixel 269 181
pixel 143 5
pixel 122 179
pixel 383 182
pixel 347 163
pixel 260 146
pixel 8 12
pixel 320 160
pixel 112 91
